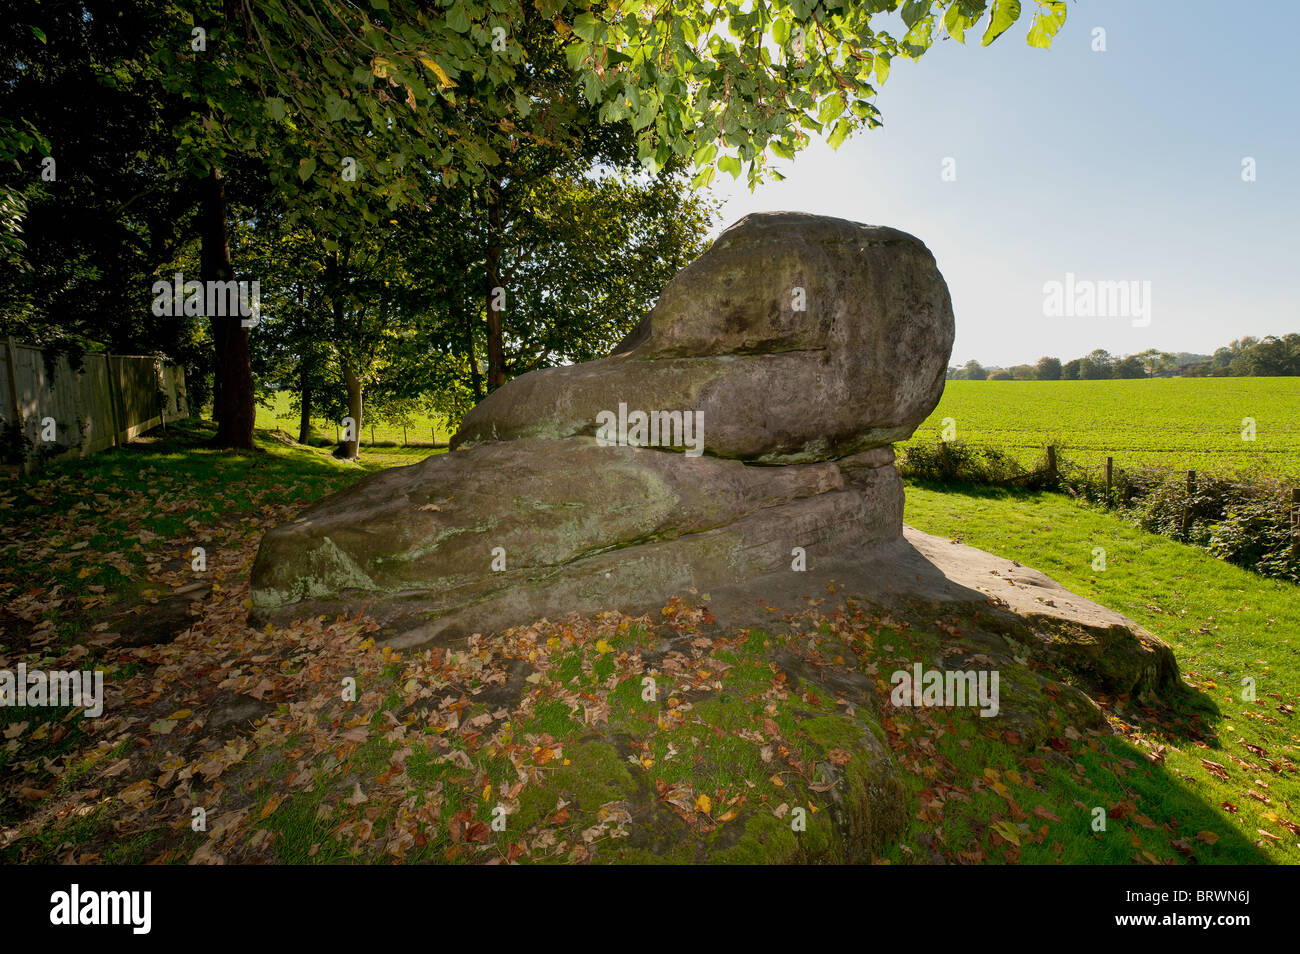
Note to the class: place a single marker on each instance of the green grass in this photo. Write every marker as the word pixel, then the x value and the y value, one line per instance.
pixel 424 430
pixel 93 526
pixel 1224 623
pixel 1175 423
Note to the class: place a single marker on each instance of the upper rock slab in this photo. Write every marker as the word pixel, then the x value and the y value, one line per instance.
pixel 799 337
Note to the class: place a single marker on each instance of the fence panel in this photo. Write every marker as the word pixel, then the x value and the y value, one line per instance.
pixel 108 400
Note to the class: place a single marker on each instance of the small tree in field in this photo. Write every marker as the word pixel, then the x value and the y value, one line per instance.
pixel 1097 365
pixel 1048 369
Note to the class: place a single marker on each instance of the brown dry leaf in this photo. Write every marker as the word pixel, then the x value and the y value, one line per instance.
pixel 1215 769
pixel 1044 814
pixel 271 805
pixel 116 769
pixel 137 792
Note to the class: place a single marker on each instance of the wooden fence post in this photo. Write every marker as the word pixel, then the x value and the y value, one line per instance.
pixel 11 367
pixel 1051 464
pixel 161 394
pixel 1187 506
pixel 1109 463
pixel 403 435
pixel 115 413
pixel 1295 521
pixel 372 435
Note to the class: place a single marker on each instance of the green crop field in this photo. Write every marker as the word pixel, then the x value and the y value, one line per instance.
pixel 1177 423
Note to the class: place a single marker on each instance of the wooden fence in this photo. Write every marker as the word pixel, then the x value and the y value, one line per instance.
pixel 50 410
pixel 1108 470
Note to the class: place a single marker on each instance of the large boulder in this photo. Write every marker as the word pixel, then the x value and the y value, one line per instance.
pixel 799 347
pixel 797 340
pixel 488 537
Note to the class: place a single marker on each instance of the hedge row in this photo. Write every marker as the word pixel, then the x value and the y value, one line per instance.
pixel 1245 521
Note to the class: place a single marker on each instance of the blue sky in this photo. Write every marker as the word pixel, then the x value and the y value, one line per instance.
pixel 1124 165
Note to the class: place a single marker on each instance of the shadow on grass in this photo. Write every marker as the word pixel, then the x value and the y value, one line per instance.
pixel 983 491
pixel 189 442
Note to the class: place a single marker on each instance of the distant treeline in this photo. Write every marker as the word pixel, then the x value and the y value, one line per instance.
pixel 1245 357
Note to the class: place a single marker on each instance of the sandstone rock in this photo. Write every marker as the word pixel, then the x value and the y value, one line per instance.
pixel 787 530
pixel 799 337
pixel 1099 645
pixel 533 516
pixel 578 526
pixel 797 340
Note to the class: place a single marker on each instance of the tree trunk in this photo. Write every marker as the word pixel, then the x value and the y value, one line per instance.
pixel 305 367
pixel 476 379
pixel 232 406
pixel 304 399
pixel 352 449
pixel 492 281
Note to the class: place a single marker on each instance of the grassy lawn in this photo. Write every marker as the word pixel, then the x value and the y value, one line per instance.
pixel 104 521
pixel 424 430
pixel 1225 624
pixel 1175 423
pixel 550 722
